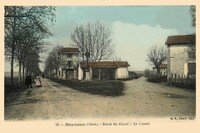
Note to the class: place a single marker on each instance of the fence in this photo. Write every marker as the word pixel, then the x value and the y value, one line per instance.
pixel 181 80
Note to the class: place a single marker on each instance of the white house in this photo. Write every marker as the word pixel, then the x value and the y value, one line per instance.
pixel 69 68
pixel 104 70
pixel 181 58
pixel 163 69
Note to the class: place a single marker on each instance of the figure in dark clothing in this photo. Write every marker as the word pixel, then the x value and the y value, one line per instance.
pixel 28 81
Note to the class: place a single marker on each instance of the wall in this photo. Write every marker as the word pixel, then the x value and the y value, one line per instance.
pixel 177 59
pixel 74 58
pixel 163 71
pixel 122 73
pixel 80 73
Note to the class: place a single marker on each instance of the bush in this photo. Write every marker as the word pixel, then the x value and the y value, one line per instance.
pixel 156 78
pixel 188 84
pixel 147 72
pixel 104 88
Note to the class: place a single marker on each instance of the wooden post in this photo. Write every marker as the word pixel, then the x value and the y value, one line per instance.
pixel 99 74
pixel 175 78
pixel 178 78
pixel 171 77
pixel 183 78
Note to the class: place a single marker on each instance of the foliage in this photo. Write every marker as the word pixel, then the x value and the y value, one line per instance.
pixel 155 78
pixel 186 85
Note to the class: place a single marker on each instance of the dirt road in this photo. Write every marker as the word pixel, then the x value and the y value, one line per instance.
pixel 141 99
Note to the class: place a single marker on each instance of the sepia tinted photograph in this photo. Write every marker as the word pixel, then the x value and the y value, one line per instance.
pixel 104 62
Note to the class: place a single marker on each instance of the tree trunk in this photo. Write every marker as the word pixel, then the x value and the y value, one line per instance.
pixel 99 74
pixel 56 72
pixel 20 76
pixel 11 71
pixel 23 69
pixel 158 70
pixel 27 71
pixel 13 49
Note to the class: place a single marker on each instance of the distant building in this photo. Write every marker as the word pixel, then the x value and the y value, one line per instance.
pixel 104 70
pixel 69 69
pixel 132 75
pixel 181 57
pixel 163 69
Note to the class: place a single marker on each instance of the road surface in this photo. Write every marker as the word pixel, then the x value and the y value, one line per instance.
pixel 141 99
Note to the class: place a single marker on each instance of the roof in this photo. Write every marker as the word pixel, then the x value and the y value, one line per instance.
pixel 161 66
pixel 69 50
pixel 105 64
pixel 181 39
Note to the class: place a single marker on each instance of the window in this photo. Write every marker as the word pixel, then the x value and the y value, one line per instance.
pixel 192 55
pixel 69 64
pixel 191 68
pixel 69 55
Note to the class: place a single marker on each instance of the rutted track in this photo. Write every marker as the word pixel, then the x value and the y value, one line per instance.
pixel 141 99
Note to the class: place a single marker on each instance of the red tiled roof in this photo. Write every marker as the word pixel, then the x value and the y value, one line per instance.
pixel 162 66
pixel 181 39
pixel 69 49
pixel 105 64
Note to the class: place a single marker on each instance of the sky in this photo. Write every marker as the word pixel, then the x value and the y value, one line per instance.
pixel 134 29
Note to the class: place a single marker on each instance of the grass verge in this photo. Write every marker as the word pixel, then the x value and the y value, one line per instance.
pixel 11 94
pixel 104 88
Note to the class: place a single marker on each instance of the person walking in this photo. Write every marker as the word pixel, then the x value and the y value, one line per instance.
pixel 28 81
pixel 38 82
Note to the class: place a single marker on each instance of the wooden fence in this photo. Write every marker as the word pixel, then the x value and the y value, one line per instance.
pixel 182 80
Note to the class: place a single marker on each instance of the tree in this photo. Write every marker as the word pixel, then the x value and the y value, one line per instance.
pixel 54 61
pixel 93 40
pixel 94 43
pixel 116 58
pixel 23 24
pixel 156 56
pixel 28 48
pixel 193 13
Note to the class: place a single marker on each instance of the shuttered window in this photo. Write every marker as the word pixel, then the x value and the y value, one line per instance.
pixel 192 68
pixel 192 55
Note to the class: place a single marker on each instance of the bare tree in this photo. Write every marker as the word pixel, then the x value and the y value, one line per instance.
pixel 156 56
pixel 54 61
pixel 116 58
pixel 94 41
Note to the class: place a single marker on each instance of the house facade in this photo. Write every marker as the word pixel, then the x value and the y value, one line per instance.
pixel 104 70
pixel 69 67
pixel 181 51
